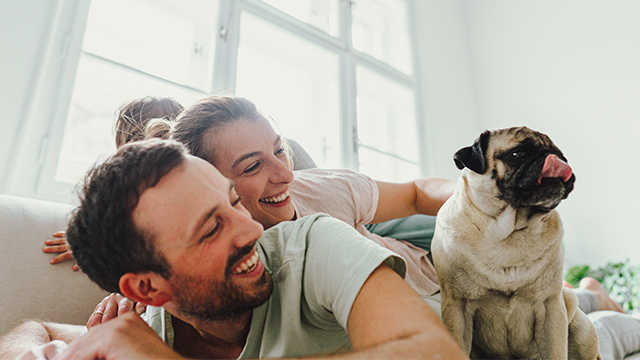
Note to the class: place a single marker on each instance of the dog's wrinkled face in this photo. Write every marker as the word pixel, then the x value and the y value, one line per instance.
pixel 527 169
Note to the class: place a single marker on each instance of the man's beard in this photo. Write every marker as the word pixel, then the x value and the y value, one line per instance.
pixel 220 301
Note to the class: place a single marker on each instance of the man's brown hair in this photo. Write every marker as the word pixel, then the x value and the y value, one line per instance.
pixel 103 237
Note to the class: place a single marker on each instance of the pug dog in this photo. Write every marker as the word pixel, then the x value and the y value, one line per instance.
pixel 498 253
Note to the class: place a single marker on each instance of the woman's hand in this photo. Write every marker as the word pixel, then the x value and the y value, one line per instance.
pixel 59 245
pixel 113 306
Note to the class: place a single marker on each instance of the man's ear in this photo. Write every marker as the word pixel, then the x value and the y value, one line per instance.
pixel 147 288
pixel 474 157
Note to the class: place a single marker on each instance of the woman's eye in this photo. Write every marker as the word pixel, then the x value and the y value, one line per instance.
pixel 280 151
pixel 236 201
pixel 252 168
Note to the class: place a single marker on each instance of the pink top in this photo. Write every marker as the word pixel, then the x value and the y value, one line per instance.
pixel 353 198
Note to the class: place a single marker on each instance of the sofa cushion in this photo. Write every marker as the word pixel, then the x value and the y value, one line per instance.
pixel 30 286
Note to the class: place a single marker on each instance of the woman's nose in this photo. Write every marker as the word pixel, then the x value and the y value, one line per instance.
pixel 281 173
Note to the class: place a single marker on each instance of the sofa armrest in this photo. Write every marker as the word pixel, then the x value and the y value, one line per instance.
pixel 31 288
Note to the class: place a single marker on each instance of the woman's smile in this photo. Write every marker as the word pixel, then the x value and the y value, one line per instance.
pixel 279 200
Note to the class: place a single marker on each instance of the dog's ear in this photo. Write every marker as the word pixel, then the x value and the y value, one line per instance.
pixel 473 157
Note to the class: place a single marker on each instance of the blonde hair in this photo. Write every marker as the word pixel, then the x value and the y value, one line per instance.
pixel 133 117
pixel 158 128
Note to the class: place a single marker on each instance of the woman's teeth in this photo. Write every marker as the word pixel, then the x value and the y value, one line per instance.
pixel 276 199
pixel 247 265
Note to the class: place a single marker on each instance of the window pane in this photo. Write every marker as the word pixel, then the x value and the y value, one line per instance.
pixel 386 115
pixel 386 168
pixel 100 88
pixel 380 29
pixel 295 82
pixel 166 39
pixel 322 14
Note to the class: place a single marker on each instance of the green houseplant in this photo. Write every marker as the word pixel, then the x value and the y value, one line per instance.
pixel 620 280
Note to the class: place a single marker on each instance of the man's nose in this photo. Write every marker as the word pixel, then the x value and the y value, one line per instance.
pixel 246 230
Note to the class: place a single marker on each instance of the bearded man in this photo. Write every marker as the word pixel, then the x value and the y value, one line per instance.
pixel 166 229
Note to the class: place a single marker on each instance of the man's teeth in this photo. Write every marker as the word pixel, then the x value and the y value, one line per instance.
pixel 247 266
pixel 276 199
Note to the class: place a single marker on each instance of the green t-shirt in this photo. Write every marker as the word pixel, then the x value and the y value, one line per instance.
pixel 318 265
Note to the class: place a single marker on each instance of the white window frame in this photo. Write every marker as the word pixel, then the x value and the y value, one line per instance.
pixel 33 174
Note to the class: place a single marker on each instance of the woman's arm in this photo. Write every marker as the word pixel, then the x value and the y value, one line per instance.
pixel 422 196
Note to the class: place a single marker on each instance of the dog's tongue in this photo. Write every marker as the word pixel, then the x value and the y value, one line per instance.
pixel 554 167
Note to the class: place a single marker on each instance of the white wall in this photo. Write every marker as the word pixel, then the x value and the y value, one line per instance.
pixel 570 69
pixel 448 96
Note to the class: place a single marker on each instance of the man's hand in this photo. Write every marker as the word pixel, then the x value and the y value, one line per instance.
pixel 127 337
pixel 33 334
pixel 113 306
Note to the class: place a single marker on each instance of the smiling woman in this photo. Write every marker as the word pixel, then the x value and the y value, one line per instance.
pixel 261 169
pixel 247 148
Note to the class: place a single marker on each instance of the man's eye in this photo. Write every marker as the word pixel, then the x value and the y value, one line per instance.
pixel 212 232
pixel 236 201
pixel 280 151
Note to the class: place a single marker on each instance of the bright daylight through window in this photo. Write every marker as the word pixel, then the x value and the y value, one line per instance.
pixel 336 75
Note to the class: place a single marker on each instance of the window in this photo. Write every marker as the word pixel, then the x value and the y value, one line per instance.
pixel 323 14
pixel 296 82
pixel 386 128
pixel 150 50
pixel 380 28
pixel 336 75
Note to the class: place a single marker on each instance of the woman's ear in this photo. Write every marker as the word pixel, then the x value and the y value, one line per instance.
pixel 147 288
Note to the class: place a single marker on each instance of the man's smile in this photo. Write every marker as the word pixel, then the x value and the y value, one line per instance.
pixel 249 266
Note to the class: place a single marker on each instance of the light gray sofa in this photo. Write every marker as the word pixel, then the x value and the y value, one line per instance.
pixel 30 286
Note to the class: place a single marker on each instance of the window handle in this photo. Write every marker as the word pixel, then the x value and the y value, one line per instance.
pixel 223 33
pixel 198 48
pixel 356 140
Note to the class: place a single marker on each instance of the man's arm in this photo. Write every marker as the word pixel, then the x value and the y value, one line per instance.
pixel 126 337
pixel 389 320
pixel 34 333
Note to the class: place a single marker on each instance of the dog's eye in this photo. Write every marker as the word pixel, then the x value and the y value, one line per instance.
pixel 519 154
